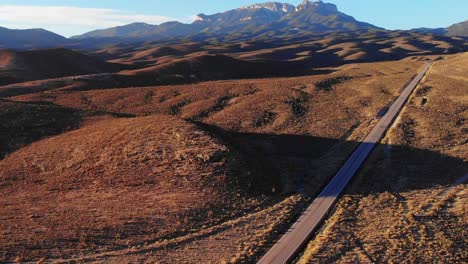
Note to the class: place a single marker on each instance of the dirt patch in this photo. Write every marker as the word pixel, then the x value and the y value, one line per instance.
pixel 384 90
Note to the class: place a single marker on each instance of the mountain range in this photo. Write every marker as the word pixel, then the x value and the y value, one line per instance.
pixel 317 17
pixel 255 22
pixel 30 38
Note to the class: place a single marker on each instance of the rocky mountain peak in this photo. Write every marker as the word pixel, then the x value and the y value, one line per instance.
pixel 273 6
pixel 200 17
pixel 318 6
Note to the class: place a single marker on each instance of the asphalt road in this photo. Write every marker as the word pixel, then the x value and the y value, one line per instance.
pixel 299 233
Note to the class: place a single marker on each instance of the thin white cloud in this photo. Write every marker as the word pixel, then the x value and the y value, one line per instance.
pixel 68 20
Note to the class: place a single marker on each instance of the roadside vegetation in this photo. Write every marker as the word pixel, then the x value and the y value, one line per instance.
pixel 408 204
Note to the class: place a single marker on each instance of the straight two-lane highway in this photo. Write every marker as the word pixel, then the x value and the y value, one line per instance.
pixel 291 242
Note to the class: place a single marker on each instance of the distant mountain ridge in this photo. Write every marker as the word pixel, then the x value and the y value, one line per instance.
pixel 34 38
pixel 257 22
pixel 315 16
pixel 437 31
pixel 459 29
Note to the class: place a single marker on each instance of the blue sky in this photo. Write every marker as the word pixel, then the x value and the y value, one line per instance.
pixel 70 17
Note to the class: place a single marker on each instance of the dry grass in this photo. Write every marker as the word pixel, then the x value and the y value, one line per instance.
pixel 404 206
pixel 190 208
pixel 293 106
pixel 237 105
pixel 116 184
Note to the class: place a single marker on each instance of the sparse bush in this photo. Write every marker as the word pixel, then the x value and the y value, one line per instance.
pixel 424 90
pixel 264 119
pixel 148 97
pixel 327 85
pixel 408 129
pixel 384 90
pixel 297 105
pixel 219 105
pixel 175 109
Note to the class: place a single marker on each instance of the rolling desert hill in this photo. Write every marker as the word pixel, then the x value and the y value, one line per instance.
pixel 183 180
pixel 234 104
pixel 152 63
pixel 20 66
pixel 208 67
pixel 327 50
pixel 24 123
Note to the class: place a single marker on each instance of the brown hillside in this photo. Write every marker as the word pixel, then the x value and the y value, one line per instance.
pixel 113 184
pixel 150 64
pixel 17 66
pixel 206 67
pixel 23 123
pixel 310 105
pixel 296 104
pixel 329 50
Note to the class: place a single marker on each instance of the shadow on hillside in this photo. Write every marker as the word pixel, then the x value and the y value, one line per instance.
pixel 304 164
pixel 186 75
pixel 179 74
pixel 278 164
pixel 22 123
